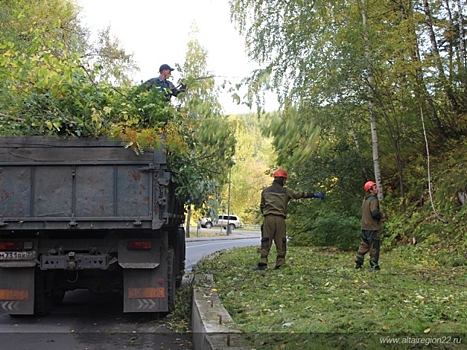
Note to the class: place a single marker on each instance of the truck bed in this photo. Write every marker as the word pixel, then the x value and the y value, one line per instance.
pixel 51 183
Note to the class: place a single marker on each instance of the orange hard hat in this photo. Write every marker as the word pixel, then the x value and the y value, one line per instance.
pixel 368 185
pixel 280 173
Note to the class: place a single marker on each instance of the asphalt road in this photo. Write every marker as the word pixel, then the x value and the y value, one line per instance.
pixel 199 248
pixel 86 321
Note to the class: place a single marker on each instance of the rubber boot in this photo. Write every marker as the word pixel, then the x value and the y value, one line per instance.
pixel 260 267
pixel 374 265
pixel 358 263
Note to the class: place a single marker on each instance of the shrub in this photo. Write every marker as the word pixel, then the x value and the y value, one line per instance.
pixel 330 229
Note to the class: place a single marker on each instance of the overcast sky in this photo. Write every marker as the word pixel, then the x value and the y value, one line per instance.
pixel 157 32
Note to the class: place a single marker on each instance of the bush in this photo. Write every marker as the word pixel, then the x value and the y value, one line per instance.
pixel 330 229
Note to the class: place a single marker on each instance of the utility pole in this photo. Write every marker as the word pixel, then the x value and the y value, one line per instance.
pixel 228 231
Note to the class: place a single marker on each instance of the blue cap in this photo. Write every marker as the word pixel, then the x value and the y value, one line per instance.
pixel 165 66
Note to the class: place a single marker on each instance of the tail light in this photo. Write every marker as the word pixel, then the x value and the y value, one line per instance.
pixel 11 246
pixel 139 245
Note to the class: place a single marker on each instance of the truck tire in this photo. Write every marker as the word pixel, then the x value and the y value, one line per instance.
pixel 57 297
pixel 42 301
pixel 171 277
pixel 181 257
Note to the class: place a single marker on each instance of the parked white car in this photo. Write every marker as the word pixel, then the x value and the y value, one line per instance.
pixel 233 221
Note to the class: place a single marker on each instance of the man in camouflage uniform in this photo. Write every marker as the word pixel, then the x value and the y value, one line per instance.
pixel 274 200
pixel 371 226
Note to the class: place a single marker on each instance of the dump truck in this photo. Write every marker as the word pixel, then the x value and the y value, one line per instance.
pixel 87 213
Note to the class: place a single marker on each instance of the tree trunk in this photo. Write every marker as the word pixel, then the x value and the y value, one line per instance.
pixel 359 150
pixel 371 105
pixel 462 41
pixel 422 89
pixel 439 65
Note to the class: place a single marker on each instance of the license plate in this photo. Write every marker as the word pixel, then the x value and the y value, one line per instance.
pixel 17 255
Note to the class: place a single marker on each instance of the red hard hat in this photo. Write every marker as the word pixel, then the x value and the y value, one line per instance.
pixel 368 185
pixel 280 173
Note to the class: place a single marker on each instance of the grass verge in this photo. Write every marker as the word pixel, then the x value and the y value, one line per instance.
pixel 320 301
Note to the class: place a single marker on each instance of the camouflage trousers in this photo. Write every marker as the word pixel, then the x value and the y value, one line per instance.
pixel 273 230
pixel 370 242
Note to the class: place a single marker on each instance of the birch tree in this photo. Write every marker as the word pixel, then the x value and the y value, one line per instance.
pixel 369 72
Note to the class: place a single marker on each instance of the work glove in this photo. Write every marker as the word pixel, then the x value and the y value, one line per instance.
pixel 318 195
pixel 182 88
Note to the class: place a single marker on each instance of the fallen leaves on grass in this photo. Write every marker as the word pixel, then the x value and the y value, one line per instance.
pixel 322 294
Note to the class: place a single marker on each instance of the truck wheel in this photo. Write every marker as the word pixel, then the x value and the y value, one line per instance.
pixel 42 301
pixel 171 288
pixel 181 257
pixel 58 296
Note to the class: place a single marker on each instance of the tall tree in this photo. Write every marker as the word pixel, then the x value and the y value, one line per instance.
pixel 371 98
pixel 250 173
pixel 207 134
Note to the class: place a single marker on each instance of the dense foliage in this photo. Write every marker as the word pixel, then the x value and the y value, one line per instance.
pixel 370 90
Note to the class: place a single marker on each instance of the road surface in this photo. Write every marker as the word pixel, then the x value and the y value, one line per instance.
pixel 199 248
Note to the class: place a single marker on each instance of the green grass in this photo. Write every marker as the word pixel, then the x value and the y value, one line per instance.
pixel 320 301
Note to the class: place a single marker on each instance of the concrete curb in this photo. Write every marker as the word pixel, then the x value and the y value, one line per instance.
pixel 212 326
pixel 236 235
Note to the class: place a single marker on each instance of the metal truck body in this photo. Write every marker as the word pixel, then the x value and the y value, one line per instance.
pixel 90 214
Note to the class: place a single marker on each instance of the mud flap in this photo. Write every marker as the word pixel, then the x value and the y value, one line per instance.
pixel 145 290
pixel 17 290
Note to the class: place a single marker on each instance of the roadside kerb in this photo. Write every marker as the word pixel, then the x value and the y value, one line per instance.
pixel 212 326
